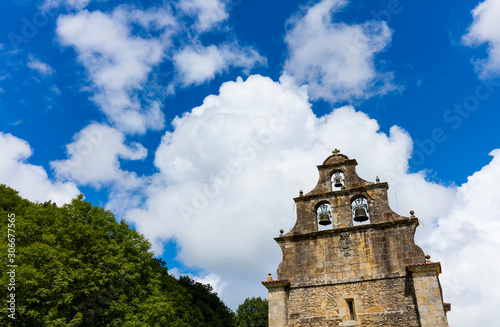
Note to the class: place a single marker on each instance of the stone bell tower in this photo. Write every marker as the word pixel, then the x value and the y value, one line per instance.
pixel 351 261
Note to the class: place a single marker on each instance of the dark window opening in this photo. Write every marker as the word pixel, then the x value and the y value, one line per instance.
pixel 350 304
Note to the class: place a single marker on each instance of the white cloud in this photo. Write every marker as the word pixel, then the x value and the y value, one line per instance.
pixel 336 60
pixel 208 13
pixel 467 244
pixel 119 63
pixel 212 280
pixel 207 279
pixel 31 181
pixel 70 4
pixel 94 158
pixel 230 168
pixel 197 64
pixel 41 67
pixel 484 29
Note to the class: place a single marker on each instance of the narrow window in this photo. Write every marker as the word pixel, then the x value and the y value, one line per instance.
pixel 350 304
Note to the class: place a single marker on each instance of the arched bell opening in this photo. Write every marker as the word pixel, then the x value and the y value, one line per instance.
pixel 338 181
pixel 360 211
pixel 324 215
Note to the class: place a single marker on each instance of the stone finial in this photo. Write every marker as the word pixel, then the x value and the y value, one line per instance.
pixel 412 214
pixel 281 232
pixel 335 152
pixel 269 277
pixel 377 179
pixel 427 258
pixel 301 193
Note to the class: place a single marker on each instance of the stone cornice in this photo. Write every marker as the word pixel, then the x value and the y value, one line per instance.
pixel 426 267
pixel 329 232
pixel 348 162
pixel 342 192
pixel 280 283
pixel 348 280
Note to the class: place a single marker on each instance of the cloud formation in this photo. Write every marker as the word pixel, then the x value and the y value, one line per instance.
pixel 70 4
pixel 118 62
pixel 122 52
pixel 466 242
pixel 335 59
pixel 484 30
pixel 39 66
pixel 31 181
pixel 207 13
pixel 94 158
pixel 197 64
pixel 223 209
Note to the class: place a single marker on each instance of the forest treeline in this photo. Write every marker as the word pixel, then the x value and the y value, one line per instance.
pixel 76 265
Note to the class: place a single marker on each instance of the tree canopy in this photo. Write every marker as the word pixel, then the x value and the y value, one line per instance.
pixel 252 313
pixel 78 266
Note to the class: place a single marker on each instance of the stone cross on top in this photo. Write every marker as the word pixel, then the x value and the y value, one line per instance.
pixel 336 151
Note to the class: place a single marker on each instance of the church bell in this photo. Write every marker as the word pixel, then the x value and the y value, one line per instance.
pixel 360 214
pixel 324 219
pixel 337 180
pixel 324 215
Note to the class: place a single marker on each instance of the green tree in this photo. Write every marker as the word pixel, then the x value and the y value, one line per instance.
pixel 211 310
pixel 252 313
pixel 78 266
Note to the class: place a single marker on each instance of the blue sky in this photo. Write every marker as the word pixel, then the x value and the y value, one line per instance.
pixel 199 121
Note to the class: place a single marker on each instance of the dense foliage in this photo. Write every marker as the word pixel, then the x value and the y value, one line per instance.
pixel 252 313
pixel 76 266
pixel 211 311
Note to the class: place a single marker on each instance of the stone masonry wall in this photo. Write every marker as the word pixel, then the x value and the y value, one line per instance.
pixel 278 294
pixel 350 254
pixel 327 305
pixel 428 295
